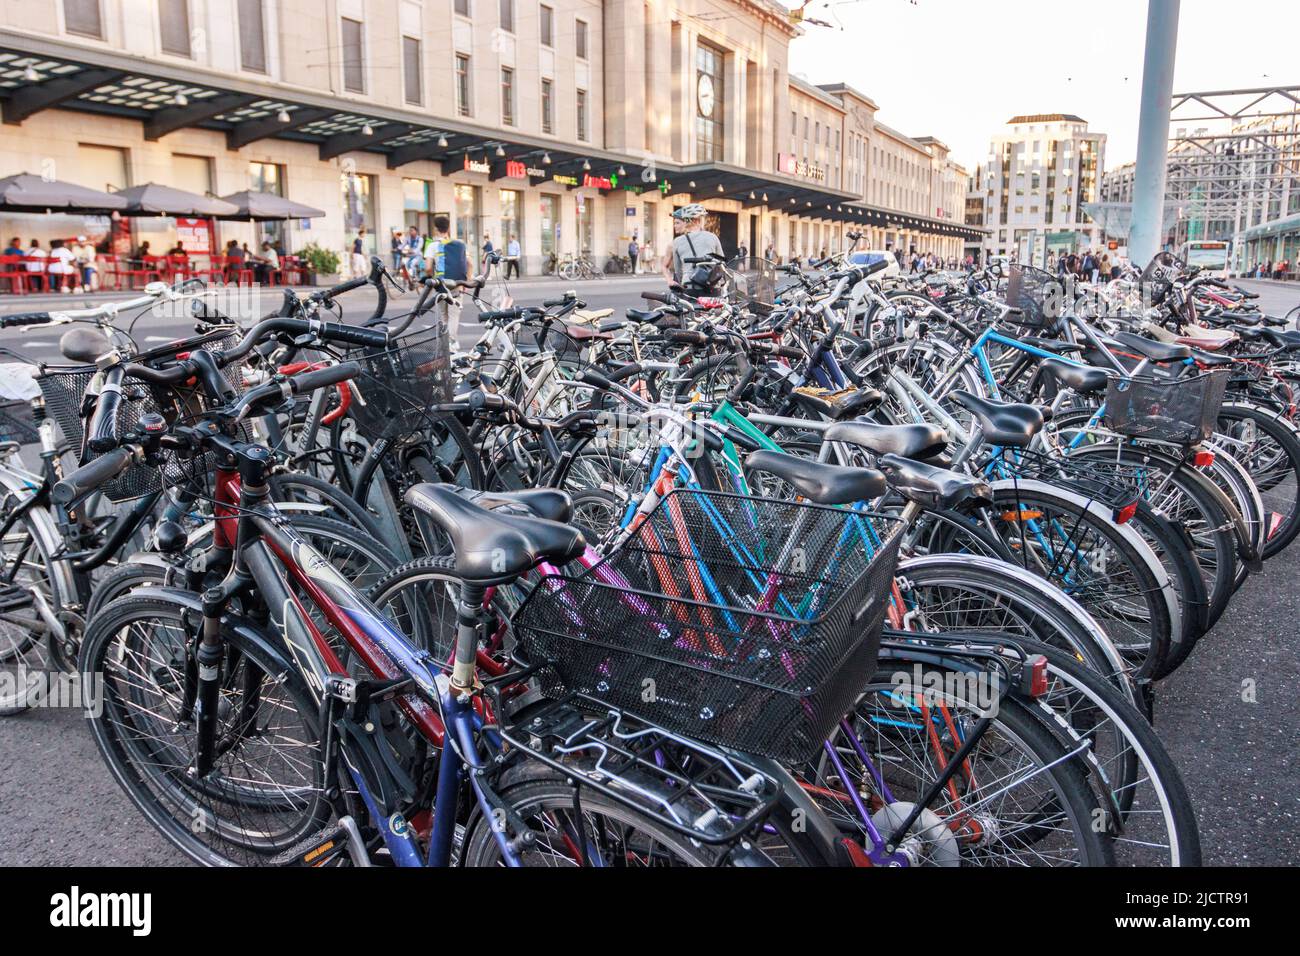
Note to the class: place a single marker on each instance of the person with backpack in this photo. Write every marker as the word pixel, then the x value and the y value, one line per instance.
pixel 695 241
pixel 633 250
pixel 452 263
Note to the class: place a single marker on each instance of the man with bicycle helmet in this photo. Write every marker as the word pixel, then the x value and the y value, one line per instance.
pixel 694 242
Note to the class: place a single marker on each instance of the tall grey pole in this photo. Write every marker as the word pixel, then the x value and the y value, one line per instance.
pixel 1146 233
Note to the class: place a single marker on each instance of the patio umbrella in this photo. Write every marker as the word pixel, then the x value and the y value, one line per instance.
pixel 266 206
pixel 153 199
pixel 28 193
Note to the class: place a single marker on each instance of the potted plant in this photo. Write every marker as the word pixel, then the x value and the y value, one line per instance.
pixel 324 263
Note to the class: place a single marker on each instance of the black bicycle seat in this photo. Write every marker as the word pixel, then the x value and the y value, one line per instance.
pixel 1084 379
pixel 491 547
pixel 910 441
pixel 1155 351
pixel 1004 423
pixel 933 487
pixel 549 503
pixel 1289 340
pixel 820 482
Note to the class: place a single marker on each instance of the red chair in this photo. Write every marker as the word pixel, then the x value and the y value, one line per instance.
pixel 13 273
pixel 144 270
pixel 294 270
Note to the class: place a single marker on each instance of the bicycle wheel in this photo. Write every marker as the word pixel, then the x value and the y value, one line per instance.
pixel 265 792
pixel 1147 806
pixel 587 829
pixel 1106 567
pixel 1269 450
pixel 32 590
pixel 1019 799
pixel 971 594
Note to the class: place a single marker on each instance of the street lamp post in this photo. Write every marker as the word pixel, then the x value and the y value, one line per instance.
pixel 1146 232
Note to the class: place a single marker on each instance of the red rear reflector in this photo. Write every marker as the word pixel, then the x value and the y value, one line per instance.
pixel 857 855
pixel 1203 459
pixel 1037 676
pixel 1126 513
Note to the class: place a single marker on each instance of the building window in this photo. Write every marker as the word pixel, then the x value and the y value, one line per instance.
pixel 582 115
pixel 268 178
pixel 546 26
pixel 548 107
pixel 469 213
pixel 82 18
pixel 354 69
pixel 550 222
pixel 411 70
pixel 580 37
pixel 174 26
pixel 510 204
pixel 507 8
pixel 417 203
pixel 507 96
pixel 462 84
pixel 708 102
pixel 252 36
pixel 358 191
pixel 462 7
pixel 794 123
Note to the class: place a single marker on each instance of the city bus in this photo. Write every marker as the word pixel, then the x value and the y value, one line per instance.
pixel 1214 258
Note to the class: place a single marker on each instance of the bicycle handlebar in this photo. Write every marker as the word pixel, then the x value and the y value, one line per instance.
pixel 90 476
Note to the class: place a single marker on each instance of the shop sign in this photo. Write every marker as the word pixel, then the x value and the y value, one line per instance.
pixel 477 165
pixel 597 182
pixel 565 180
pixel 629 211
pixel 788 164
pixel 194 235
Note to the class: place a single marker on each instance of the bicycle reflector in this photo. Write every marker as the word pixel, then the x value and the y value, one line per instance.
pixel 1036 676
pixel 1125 514
pixel 1203 459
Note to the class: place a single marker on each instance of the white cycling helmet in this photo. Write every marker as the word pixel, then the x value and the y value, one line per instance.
pixel 691 212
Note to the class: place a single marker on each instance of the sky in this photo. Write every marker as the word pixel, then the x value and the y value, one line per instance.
pixel 959 70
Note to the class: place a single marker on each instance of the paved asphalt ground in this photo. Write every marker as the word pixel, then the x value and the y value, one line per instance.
pixel 1240 759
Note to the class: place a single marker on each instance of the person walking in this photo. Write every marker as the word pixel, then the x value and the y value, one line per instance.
pixel 513 252
pixel 488 249
pixel 633 250
pixel 397 244
pixel 666 266
pixel 454 268
pixel 359 252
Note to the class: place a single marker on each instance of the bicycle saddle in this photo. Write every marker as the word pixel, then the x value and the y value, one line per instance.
pixel 933 487
pixel 1084 379
pixel 1212 359
pixel 1004 423
pixel 1050 345
pixel 549 503
pixel 84 344
pixel 1289 340
pixel 1155 351
pixel 843 405
pixel 490 547
pixel 910 441
pixel 820 482
pixel 1277 321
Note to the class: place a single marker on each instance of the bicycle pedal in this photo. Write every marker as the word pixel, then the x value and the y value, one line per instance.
pixel 327 847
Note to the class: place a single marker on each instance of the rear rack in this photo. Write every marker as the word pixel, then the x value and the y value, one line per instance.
pixel 704 793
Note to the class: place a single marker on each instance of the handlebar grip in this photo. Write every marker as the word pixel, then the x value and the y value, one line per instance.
pixel 686 336
pixel 553 303
pixel 90 476
pixel 102 433
pixel 323 377
pixel 627 371
pixel 664 297
pixel 499 314
pixel 338 290
pixel 24 318
pixel 593 378
pixel 353 335
pixel 710 440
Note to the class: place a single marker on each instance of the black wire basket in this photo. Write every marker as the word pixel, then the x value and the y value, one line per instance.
pixel 1179 411
pixel 1104 480
pixel 1038 294
pixel 398 385
pixel 749 623
pixel 65 391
